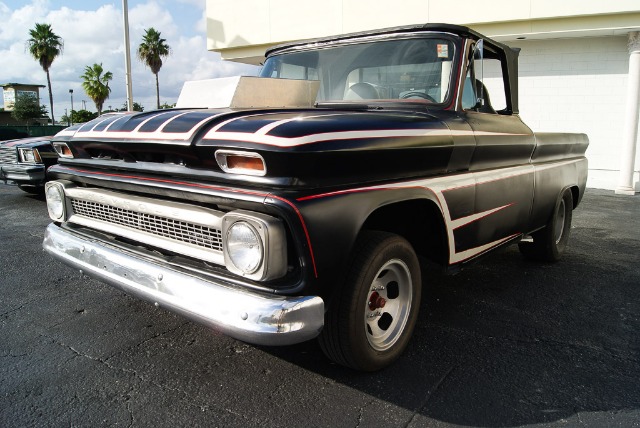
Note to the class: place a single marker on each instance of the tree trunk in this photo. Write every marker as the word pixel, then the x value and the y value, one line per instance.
pixel 157 93
pixel 53 121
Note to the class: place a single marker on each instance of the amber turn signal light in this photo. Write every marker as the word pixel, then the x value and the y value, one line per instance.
pixel 241 162
pixel 63 150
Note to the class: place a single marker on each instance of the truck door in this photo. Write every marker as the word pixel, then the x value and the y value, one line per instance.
pixel 500 164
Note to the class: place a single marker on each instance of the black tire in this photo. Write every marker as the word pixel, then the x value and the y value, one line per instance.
pixel 368 327
pixel 550 242
pixel 34 190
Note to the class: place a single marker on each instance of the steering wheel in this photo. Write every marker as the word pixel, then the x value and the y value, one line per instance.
pixel 418 94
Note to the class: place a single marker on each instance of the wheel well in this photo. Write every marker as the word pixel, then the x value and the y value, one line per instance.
pixel 419 221
pixel 575 192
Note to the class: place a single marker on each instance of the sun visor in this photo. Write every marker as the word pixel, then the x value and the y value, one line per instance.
pixel 247 92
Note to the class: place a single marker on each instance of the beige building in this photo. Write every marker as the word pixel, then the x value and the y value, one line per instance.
pixel 10 91
pixel 579 63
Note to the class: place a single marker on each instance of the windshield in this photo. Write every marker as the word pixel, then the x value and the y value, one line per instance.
pixel 413 70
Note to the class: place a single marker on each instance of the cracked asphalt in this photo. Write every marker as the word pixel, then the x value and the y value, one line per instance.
pixel 504 343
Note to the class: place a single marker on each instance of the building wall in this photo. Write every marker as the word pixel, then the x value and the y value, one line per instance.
pixel 7 120
pixel 12 90
pixel 240 30
pixel 578 85
pixel 574 63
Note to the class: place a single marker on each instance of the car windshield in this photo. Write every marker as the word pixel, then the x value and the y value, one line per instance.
pixel 406 70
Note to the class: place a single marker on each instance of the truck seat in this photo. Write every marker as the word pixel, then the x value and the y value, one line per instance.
pixel 361 91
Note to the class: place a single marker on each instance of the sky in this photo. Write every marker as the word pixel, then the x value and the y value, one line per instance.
pixel 92 31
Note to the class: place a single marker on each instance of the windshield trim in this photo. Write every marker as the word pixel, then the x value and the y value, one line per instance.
pixel 317 45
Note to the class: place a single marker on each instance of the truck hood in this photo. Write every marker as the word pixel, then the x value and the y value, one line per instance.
pixel 311 147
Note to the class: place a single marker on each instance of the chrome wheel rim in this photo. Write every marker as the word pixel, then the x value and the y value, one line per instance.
pixel 558 230
pixel 388 305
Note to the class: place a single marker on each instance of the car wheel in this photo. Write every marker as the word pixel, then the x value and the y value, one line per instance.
pixel 549 243
pixel 371 320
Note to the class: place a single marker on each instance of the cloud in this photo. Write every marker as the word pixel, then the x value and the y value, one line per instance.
pixel 196 3
pixel 189 59
pixel 96 36
pixel 151 14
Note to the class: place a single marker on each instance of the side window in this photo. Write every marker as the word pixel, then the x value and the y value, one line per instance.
pixel 493 80
pixel 484 86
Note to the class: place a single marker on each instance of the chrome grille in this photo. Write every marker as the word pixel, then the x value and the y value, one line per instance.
pixel 8 155
pixel 182 231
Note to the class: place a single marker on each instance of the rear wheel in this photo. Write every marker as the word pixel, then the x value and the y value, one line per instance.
pixel 371 320
pixel 550 242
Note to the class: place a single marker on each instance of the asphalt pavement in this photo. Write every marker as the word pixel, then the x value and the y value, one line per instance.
pixel 504 343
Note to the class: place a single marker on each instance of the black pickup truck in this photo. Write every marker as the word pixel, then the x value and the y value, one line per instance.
pixel 278 223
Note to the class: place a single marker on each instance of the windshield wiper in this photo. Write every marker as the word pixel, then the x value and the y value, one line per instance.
pixel 348 106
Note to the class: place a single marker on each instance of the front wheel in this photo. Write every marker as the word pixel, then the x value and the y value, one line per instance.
pixel 550 242
pixel 371 319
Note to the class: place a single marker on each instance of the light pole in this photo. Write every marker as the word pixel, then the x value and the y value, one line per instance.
pixel 84 104
pixel 127 55
pixel 71 115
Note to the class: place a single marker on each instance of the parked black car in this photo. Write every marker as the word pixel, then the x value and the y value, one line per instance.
pixel 25 161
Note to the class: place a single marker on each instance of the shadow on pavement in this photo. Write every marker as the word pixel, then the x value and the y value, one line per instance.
pixel 508 342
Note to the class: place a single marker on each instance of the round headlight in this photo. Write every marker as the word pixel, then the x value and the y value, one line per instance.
pixel 55 202
pixel 244 247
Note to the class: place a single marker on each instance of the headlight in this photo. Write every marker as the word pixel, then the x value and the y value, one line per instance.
pixel 244 247
pixel 30 156
pixel 254 245
pixel 55 200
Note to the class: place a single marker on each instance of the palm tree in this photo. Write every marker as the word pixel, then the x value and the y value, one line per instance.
pixel 96 84
pixel 151 51
pixel 45 46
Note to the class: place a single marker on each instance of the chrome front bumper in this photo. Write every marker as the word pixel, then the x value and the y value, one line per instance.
pixel 259 318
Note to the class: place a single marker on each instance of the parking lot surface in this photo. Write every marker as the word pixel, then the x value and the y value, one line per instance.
pixel 504 343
